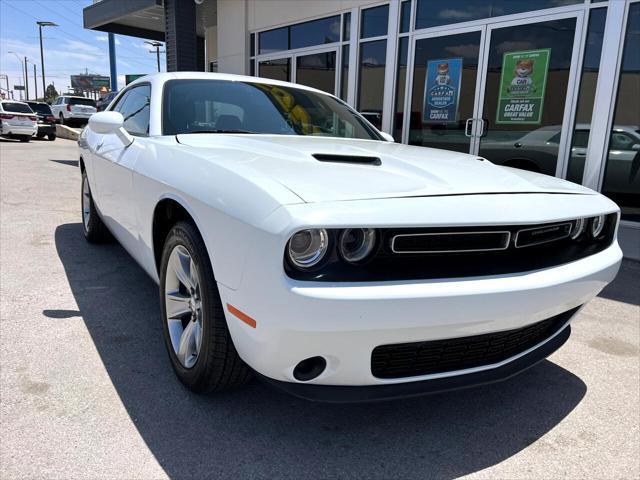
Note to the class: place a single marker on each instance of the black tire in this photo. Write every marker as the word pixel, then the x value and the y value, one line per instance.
pixel 218 366
pixel 51 137
pixel 40 136
pixel 61 119
pixel 25 138
pixel 95 231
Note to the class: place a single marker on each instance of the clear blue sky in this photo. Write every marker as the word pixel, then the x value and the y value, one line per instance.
pixel 69 49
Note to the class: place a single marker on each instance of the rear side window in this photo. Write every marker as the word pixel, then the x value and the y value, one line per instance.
pixel 16 107
pixel 41 108
pixel 82 101
pixel 134 107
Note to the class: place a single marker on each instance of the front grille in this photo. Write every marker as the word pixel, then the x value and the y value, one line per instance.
pixel 438 356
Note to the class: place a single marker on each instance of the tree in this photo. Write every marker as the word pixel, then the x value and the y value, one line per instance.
pixel 51 93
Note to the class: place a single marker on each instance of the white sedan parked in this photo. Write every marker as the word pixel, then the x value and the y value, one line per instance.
pixel 293 240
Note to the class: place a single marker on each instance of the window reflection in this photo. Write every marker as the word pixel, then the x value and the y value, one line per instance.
pixel 317 71
pixel 279 69
pixel 371 80
pixel 401 80
pixel 622 171
pixel 374 22
pixel 316 32
pixel 432 13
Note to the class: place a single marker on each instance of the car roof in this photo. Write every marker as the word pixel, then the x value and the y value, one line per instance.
pixel 6 100
pixel 160 78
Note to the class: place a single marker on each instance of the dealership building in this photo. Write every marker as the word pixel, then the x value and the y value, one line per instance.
pixel 546 85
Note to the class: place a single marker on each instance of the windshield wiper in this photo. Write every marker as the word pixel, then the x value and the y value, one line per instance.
pixel 220 131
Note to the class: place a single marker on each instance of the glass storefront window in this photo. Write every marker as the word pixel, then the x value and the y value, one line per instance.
pixel 401 80
pixel 405 16
pixel 344 86
pixel 374 21
pixel 622 171
pixel 279 69
pixel 316 32
pixel 252 44
pixel 433 13
pixel 274 40
pixel 317 70
pixel 586 94
pixel 372 62
pixel 346 29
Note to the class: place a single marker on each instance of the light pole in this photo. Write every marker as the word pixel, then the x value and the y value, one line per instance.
pixel 157 46
pixel 35 77
pixel 40 25
pixel 23 70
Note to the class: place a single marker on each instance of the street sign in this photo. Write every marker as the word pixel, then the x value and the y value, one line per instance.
pixel 18 87
pixel 130 77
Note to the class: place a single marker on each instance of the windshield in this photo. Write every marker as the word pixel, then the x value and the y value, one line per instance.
pixel 16 107
pixel 221 106
pixel 82 101
pixel 41 108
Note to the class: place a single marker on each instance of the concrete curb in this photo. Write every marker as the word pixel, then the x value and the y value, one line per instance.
pixel 62 131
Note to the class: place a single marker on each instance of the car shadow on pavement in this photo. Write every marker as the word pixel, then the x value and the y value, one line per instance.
pixel 259 432
pixel 626 288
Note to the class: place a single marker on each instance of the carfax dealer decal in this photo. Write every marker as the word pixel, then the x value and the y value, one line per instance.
pixel 442 91
pixel 522 86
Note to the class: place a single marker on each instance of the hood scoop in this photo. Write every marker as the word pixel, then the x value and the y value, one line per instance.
pixel 357 159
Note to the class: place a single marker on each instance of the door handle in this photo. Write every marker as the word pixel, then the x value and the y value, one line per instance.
pixel 483 127
pixel 468 123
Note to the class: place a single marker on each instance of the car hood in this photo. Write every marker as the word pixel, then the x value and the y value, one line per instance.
pixel 403 170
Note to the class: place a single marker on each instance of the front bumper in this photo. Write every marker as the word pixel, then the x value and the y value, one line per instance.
pixel 374 393
pixel 343 323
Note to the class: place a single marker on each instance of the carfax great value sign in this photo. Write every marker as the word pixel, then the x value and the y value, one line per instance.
pixel 442 91
pixel 522 86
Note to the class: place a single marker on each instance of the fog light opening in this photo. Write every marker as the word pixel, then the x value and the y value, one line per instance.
pixel 309 369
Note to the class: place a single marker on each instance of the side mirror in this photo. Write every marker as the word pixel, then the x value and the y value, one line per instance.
pixel 635 147
pixel 388 137
pixel 110 123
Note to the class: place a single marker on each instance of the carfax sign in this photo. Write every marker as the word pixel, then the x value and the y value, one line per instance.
pixel 442 90
pixel 522 86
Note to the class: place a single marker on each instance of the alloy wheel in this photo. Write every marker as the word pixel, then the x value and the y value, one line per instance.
pixel 183 306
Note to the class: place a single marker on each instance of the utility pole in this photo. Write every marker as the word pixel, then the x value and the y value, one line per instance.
pixel 112 62
pixel 40 25
pixel 26 80
pixel 35 82
pixel 157 46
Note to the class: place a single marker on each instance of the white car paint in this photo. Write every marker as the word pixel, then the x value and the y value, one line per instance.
pixel 15 123
pixel 248 194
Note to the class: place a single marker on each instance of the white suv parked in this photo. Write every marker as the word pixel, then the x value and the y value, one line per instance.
pixel 69 109
pixel 17 120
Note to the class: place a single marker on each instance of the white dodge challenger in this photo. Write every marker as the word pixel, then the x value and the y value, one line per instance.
pixel 293 241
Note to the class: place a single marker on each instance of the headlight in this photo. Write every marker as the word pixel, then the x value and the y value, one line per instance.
pixel 578 228
pixel 357 243
pixel 597 224
pixel 307 247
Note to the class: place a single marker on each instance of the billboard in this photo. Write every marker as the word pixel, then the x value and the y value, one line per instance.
pixel 442 90
pixel 130 77
pixel 89 82
pixel 522 85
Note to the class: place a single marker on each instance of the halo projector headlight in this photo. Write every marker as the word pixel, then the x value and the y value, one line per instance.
pixel 357 243
pixel 307 247
pixel 578 228
pixel 597 225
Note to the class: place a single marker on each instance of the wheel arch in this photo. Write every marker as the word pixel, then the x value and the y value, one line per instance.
pixel 168 211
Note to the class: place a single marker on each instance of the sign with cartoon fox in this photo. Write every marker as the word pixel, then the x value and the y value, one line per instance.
pixel 522 86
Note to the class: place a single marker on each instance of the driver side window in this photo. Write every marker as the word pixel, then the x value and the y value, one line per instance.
pixel 134 107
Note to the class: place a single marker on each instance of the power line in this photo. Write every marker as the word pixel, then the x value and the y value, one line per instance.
pixel 75 37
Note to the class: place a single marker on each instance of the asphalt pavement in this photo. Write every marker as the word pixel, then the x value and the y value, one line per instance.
pixel 87 391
